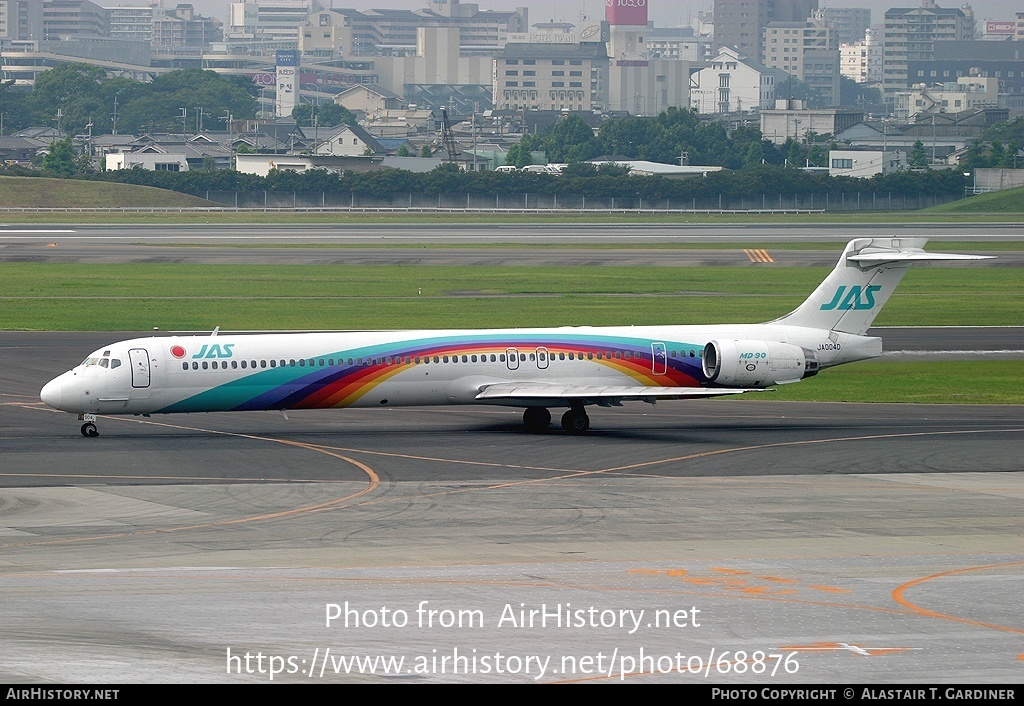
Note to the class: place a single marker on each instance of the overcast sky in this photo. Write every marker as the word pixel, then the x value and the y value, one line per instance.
pixel 665 13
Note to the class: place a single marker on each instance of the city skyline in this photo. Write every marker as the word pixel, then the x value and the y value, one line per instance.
pixel 665 13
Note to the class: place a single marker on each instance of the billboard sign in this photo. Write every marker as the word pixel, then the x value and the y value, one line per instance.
pixel 287 57
pixel 1005 27
pixel 626 12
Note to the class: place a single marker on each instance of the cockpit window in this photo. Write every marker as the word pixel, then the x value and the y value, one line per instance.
pixel 102 362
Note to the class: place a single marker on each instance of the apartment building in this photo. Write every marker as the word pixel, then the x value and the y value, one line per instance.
pixel 911 33
pixel 21 20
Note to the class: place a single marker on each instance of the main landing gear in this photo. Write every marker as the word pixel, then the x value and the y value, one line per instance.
pixel 89 428
pixel 536 418
pixel 575 421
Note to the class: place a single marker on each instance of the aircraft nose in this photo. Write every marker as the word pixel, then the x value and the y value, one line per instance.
pixel 52 394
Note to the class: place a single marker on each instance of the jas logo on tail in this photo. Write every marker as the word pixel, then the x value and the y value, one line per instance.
pixel 215 351
pixel 856 298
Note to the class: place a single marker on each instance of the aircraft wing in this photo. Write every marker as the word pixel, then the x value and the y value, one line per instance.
pixel 603 395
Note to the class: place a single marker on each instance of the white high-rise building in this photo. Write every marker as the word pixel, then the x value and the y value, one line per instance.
pixel 862 61
pixel 134 23
pixel 268 19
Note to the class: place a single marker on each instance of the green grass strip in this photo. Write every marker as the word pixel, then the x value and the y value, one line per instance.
pixel 925 382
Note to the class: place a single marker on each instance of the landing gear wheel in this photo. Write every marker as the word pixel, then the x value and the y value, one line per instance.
pixel 575 421
pixel 89 429
pixel 536 418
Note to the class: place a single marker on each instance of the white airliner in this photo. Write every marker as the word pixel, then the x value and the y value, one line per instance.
pixel 532 368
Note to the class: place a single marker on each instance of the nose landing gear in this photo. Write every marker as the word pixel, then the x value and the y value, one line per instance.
pixel 89 428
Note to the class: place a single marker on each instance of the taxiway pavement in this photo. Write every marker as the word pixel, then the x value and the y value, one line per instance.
pixel 733 542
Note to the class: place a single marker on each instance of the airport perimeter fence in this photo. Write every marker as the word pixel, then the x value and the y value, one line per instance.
pixel 754 203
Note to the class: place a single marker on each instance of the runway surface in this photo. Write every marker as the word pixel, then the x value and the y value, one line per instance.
pixel 765 543
pixel 475 245
pixel 726 541
pixel 540 234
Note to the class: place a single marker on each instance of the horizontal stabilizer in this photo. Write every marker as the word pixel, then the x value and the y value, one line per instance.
pixel 922 256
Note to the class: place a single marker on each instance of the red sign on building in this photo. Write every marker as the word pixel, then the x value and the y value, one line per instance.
pixel 999 26
pixel 626 12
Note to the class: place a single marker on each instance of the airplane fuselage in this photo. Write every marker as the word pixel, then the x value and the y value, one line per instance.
pixel 400 368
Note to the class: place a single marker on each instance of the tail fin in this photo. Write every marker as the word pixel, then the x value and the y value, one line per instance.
pixel 861 283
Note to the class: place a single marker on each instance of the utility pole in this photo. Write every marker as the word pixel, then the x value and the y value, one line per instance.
pixel 184 114
pixel 474 140
pixel 114 117
pixel 447 139
pixel 933 138
pixel 228 117
pixel 315 117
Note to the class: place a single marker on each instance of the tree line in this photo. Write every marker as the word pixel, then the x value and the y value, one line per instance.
pixel 578 179
pixel 78 98
pixel 678 134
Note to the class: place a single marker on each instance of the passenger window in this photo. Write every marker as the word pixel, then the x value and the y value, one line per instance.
pixel 184 366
